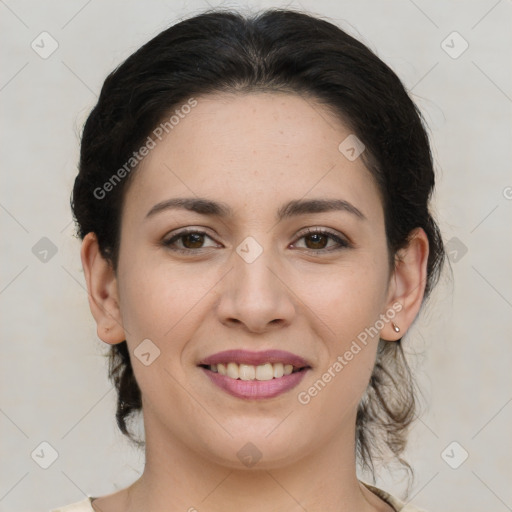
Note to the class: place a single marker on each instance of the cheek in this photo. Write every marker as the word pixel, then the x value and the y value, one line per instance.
pixel 330 401
pixel 348 303
pixel 160 303
pixel 347 299
pixel 156 297
pixel 348 307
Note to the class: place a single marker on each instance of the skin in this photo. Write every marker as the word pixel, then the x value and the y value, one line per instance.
pixel 254 152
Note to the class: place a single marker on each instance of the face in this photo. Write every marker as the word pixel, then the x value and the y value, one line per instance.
pixel 259 273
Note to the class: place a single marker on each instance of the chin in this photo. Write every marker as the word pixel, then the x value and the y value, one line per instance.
pixel 259 451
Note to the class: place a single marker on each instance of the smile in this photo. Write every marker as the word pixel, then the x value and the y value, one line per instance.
pixel 255 375
pixel 261 372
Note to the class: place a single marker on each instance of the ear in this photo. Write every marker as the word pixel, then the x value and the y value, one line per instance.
pixel 407 285
pixel 102 290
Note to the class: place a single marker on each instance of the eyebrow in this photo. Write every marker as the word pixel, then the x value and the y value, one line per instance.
pixel 292 208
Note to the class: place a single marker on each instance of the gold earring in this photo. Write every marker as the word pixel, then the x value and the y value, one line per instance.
pixel 395 327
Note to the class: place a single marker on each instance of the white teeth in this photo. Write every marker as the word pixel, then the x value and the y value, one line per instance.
pixel 232 371
pixel 246 372
pixel 278 370
pixel 264 372
pixel 267 371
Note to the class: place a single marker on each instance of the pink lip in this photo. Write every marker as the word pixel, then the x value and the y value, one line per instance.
pixel 255 358
pixel 255 389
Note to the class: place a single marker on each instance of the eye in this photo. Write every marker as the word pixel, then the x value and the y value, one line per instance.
pixel 189 239
pixel 317 240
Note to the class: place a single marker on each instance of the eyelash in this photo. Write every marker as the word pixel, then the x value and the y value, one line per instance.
pixel 342 244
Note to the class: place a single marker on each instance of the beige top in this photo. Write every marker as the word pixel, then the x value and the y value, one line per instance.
pixel 398 506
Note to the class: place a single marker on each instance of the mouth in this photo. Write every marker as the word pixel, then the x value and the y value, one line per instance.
pixel 255 375
pixel 262 372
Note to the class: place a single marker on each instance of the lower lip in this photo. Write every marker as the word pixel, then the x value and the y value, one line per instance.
pixel 256 389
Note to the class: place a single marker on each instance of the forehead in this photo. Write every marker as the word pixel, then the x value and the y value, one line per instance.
pixel 252 150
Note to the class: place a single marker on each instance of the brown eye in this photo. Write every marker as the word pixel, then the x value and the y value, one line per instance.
pixel 192 240
pixel 317 241
pixel 187 241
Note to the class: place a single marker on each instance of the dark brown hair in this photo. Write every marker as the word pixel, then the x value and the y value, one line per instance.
pixel 274 50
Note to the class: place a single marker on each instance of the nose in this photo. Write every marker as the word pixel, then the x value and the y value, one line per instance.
pixel 255 296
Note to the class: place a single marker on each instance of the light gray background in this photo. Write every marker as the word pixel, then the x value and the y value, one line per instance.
pixel 53 376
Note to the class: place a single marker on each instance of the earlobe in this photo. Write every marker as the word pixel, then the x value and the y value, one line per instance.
pixel 408 286
pixel 102 290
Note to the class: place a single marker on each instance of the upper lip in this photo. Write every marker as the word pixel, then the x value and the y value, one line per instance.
pixel 255 358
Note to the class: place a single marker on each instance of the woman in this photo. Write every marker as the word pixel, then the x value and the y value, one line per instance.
pixel 253 199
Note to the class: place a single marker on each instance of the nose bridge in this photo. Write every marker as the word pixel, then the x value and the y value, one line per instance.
pixel 253 262
pixel 253 294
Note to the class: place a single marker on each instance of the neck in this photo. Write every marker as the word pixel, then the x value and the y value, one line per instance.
pixel 178 478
